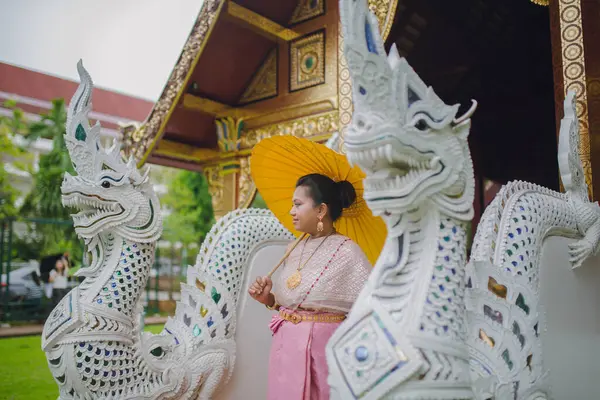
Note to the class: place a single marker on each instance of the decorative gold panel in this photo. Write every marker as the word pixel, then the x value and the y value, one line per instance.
pixel 574 77
pixel 344 88
pixel 307 9
pixel 264 83
pixel 307 61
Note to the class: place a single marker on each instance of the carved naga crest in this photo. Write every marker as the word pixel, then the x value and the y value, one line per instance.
pixel 89 157
pixel 385 86
pixel 108 192
pixel 401 128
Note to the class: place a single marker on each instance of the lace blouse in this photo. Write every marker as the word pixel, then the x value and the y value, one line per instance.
pixel 338 270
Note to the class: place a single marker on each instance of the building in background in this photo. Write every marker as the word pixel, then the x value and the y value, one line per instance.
pixel 34 91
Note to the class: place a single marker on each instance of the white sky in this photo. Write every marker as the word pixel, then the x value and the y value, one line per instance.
pixel 129 46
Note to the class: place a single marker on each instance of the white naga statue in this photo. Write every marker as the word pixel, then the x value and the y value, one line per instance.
pixel 428 326
pixel 93 339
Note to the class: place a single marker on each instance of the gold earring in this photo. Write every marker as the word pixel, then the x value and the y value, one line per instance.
pixel 320 224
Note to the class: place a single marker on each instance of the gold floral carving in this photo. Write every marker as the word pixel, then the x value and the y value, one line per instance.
pixel 385 11
pixel 151 131
pixel 307 9
pixel 314 126
pixel 131 136
pixel 264 82
pixel 307 61
pixel 246 187
pixel 574 78
pixel 216 185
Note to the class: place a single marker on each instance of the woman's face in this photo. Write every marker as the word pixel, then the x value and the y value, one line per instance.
pixel 59 265
pixel 305 215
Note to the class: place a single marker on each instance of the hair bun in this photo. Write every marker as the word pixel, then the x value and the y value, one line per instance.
pixel 347 193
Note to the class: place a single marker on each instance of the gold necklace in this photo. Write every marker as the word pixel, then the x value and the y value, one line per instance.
pixel 296 278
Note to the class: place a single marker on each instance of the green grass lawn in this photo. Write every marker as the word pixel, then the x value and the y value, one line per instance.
pixel 24 373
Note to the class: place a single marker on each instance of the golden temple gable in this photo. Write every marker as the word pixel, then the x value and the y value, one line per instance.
pixel 250 69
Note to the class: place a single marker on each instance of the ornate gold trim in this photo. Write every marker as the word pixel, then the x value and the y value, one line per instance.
pixel 385 11
pixel 264 81
pixel 574 78
pixel 152 130
pixel 258 23
pixel 345 104
pixel 314 126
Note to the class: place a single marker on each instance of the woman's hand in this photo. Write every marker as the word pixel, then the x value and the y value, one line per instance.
pixel 261 291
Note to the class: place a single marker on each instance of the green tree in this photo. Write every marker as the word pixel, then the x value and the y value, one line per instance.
pixel 44 201
pixel 45 198
pixel 191 209
pixel 258 202
pixel 12 125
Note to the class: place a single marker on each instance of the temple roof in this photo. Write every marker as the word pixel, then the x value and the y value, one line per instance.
pixel 239 61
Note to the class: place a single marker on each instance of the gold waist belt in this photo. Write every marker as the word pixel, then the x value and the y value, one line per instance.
pixel 296 318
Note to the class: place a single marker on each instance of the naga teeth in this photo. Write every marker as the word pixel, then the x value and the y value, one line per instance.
pixel 388 153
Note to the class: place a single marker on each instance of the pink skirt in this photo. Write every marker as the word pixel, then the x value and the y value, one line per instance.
pixel 297 363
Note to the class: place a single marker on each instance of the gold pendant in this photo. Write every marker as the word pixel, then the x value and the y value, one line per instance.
pixel 294 280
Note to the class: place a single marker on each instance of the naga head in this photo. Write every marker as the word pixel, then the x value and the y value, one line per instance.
pixel 569 160
pixel 109 193
pixel 412 147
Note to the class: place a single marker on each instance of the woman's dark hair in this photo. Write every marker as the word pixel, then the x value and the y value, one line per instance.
pixel 322 189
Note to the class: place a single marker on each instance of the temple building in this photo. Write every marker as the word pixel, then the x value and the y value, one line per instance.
pixel 251 69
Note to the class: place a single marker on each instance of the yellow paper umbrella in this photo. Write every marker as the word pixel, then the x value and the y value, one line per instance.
pixel 278 162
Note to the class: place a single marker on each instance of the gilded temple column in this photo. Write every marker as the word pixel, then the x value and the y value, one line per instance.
pixel 220 194
pixel 246 190
pixel 229 180
pixel 576 62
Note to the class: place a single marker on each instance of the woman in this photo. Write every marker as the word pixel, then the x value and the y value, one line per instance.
pixel 58 278
pixel 313 290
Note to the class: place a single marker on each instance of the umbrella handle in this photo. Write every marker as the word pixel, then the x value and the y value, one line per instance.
pixel 286 255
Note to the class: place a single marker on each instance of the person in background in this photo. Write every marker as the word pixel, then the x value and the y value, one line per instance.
pixel 58 279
